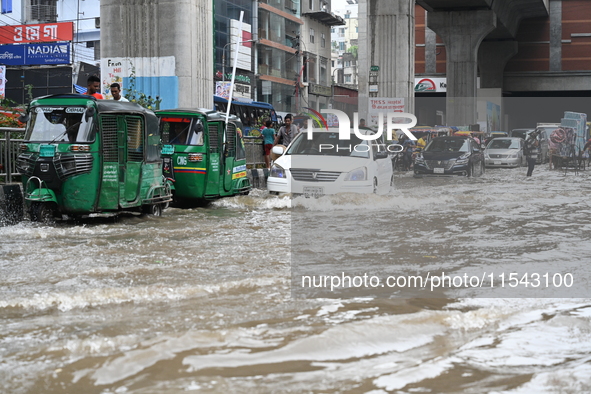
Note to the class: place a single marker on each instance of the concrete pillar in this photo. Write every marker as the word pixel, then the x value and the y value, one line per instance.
pixel 387 40
pixel 462 32
pixel 430 52
pixel 492 58
pixel 555 35
pixel 165 28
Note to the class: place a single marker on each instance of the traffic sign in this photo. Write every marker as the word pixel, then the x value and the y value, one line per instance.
pixel 374 68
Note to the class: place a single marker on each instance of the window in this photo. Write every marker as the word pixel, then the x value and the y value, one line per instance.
pixel 356 29
pixel 332 30
pixel 332 63
pixel 342 46
pixel 44 10
pixel 322 40
pixel 312 36
pixel 347 63
pixel 347 16
pixel 323 71
pixel 348 78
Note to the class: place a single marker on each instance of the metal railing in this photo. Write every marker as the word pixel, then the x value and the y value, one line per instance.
pixel 254 151
pixel 9 151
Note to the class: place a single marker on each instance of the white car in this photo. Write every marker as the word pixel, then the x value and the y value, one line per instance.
pixel 329 165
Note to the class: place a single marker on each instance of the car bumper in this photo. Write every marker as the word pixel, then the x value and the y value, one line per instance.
pixel 281 185
pixel 457 169
pixel 278 185
pixel 502 162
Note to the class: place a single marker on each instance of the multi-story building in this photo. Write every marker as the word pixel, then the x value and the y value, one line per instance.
pixel 344 46
pixel 278 53
pixel 316 78
pixel 69 54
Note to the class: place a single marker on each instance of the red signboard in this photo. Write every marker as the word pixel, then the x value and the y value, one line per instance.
pixel 45 32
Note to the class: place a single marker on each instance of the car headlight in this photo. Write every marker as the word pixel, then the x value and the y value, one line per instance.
pixel 358 174
pixel 277 172
pixel 419 159
pixel 512 156
pixel 486 156
pixel 463 159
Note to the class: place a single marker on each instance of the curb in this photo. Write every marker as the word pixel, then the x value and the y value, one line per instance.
pixel 258 177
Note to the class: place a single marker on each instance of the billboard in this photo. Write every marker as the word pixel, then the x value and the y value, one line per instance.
pixel 244 46
pixel 44 32
pixel 35 54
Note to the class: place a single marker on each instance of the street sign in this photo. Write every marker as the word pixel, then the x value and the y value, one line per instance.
pixel 373 74
pixel 373 88
pixel 374 68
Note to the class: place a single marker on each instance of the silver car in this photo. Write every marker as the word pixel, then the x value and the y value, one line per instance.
pixel 505 152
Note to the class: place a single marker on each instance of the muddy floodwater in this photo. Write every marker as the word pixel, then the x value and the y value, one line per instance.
pixel 205 300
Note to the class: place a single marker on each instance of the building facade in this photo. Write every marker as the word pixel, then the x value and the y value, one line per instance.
pixel 43 76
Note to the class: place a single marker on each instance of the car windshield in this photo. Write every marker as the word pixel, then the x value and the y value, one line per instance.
pixel 520 133
pixel 448 145
pixel 59 124
pixel 329 144
pixel 181 131
pixel 503 144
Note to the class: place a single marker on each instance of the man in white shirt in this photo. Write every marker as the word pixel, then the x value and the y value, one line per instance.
pixel 116 93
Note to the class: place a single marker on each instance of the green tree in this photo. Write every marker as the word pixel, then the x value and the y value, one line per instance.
pixel 133 95
pixel 353 50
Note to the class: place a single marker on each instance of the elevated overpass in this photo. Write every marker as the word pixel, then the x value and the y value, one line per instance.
pixel 478 34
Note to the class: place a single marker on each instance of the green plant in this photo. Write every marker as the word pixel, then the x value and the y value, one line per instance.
pixel 140 98
pixel 29 88
pixel 9 113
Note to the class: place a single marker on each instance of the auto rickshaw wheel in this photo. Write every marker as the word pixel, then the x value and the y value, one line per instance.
pixel 42 212
pixel 153 209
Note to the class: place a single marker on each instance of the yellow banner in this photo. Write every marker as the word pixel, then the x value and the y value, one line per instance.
pixel 240 174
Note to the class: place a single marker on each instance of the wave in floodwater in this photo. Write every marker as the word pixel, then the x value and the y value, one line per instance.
pixel 201 299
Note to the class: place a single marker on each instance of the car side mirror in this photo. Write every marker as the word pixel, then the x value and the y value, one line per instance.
pixel 24 118
pixel 89 113
pixel 278 150
pixel 380 154
pixel 197 127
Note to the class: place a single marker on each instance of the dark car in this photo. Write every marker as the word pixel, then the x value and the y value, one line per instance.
pixel 450 156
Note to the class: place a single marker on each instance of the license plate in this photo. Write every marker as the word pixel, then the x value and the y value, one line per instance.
pixel 313 191
pixel 497 163
pixel 438 170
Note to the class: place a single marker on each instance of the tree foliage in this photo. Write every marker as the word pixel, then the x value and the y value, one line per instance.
pixel 133 95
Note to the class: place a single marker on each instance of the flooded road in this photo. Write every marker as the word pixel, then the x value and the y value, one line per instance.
pixel 209 299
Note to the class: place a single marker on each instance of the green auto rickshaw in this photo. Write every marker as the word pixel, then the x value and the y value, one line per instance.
pixel 83 156
pixel 204 155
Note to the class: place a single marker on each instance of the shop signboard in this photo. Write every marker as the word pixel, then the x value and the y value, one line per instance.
pixel 44 32
pixel 35 54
